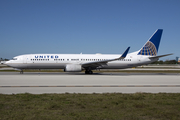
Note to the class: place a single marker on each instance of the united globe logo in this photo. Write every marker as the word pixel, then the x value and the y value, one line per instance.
pixel 148 49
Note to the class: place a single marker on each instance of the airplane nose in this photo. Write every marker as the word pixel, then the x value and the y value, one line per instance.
pixel 7 63
pixel 10 64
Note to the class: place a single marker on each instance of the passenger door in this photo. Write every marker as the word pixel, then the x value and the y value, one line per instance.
pixel 25 59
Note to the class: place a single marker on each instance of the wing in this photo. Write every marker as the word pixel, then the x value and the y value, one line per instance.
pixel 94 65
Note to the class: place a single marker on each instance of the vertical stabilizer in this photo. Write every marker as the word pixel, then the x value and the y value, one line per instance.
pixel 152 45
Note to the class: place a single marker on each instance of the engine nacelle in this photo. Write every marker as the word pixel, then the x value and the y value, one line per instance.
pixel 73 68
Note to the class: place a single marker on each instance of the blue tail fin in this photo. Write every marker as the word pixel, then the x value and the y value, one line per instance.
pixel 152 45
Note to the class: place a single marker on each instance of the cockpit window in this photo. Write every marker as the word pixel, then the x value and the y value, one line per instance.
pixel 14 58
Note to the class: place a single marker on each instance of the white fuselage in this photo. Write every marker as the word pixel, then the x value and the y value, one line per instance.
pixel 59 61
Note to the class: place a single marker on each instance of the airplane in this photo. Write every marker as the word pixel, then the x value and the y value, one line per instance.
pixel 88 62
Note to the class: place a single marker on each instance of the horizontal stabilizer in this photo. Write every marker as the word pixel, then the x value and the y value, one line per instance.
pixel 160 56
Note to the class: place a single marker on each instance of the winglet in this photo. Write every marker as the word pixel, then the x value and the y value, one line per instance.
pixel 124 54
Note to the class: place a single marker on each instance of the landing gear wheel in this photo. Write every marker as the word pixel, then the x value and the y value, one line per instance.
pixel 88 72
pixel 21 72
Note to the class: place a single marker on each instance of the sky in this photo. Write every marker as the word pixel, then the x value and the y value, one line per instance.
pixel 87 26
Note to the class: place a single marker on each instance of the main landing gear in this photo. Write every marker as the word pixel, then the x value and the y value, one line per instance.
pixel 88 72
pixel 21 72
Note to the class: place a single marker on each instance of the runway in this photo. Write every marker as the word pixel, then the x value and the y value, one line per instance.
pixel 39 83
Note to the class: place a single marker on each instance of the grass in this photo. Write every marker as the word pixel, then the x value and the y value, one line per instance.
pixel 138 106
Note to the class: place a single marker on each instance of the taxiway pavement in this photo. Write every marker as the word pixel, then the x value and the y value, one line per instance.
pixel 40 82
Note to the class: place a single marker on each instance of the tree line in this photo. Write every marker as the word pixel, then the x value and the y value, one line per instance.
pixel 4 59
pixel 166 62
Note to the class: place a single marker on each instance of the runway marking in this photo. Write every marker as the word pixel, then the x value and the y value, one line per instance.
pixel 99 86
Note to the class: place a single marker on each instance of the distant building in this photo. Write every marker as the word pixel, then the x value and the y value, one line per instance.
pixel 177 59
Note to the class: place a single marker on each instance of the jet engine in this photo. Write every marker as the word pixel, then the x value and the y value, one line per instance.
pixel 73 68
